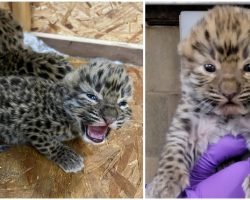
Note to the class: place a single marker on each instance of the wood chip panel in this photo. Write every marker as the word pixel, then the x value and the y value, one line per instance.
pixel 5 5
pixel 113 21
pixel 113 169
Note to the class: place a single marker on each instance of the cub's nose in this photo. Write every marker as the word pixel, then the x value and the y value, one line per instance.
pixel 230 96
pixel 229 88
pixel 109 114
pixel 109 120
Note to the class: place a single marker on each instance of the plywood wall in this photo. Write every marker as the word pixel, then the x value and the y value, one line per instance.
pixel 5 5
pixel 114 21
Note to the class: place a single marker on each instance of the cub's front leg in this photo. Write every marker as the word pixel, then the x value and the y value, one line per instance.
pixel 176 160
pixel 56 151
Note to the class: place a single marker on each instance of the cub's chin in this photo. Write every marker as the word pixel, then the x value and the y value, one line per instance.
pixel 227 109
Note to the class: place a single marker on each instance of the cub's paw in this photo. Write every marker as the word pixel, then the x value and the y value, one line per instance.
pixel 69 160
pixel 246 187
pixel 169 186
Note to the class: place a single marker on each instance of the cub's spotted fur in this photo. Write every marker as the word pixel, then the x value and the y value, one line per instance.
pixel 15 60
pixel 215 98
pixel 26 62
pixel 87 103
pixel 11 33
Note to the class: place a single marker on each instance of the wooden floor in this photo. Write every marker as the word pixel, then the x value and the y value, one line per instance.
pixel 113 169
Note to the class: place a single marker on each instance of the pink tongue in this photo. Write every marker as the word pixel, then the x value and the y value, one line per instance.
pixel 97 132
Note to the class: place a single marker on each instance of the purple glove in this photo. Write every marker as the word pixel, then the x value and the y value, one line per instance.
pixel 205 183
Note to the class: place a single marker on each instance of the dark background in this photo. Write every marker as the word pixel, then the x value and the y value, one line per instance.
pixel 168 15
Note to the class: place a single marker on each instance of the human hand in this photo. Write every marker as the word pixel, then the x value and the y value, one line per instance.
pixel 204 182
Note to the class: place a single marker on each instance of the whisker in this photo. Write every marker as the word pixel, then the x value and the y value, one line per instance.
pixel 206 105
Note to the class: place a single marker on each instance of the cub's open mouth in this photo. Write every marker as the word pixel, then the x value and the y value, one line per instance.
pixel 97 133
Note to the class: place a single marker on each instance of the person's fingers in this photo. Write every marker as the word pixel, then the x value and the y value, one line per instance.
pixel 227 147
pixel 226 183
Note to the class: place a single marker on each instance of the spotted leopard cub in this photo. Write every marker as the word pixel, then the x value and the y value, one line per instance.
pixel 16 60
pixel 11 33
pixel 215 100
pixel 24 62
pixel 87 104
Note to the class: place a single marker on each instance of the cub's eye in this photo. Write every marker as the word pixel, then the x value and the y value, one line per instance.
pixel 246 68
pixel 122 103
pixel 93 97
pixel 209 68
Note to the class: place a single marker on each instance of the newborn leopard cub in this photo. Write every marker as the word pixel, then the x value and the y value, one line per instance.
pixel 87 103
pixel 16 60
pixel 11 33
pixel 215 100
pixel 26 62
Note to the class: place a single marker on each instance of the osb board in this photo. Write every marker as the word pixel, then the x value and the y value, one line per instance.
pixel 5 5
pixel 113 169
pixel 115 21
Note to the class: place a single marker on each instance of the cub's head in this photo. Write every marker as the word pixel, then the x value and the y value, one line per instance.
pixel 99 97
pixel 216 62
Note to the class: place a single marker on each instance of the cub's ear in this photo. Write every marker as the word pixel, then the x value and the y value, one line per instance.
pixel 186 52
pixel 72 78
pixel 179 48
pixel 129 90
pixel 183 47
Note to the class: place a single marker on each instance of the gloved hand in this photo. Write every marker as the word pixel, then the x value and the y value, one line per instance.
pixel 205 183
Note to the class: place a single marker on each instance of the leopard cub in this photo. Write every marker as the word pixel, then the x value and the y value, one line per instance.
pixel 11 33
pixel 15 59
pixel 215 99
pixel 88 103
pixel 25 62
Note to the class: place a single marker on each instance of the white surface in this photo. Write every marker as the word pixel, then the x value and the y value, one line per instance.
pixel 187 20
pixel 88 40
pixel 37 45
